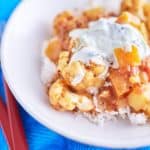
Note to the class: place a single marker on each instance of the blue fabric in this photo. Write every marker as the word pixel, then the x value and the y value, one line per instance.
pixel 38 136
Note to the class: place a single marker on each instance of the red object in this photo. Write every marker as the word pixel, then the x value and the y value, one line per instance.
pixel 5 124
pixel 16 128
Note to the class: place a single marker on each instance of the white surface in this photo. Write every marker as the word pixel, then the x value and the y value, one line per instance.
pixel 102 37
pixel 21 45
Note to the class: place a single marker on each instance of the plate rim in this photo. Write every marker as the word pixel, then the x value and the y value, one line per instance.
pixel 101 143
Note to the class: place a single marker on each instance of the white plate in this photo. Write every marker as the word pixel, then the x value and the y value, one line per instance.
pixel 21 47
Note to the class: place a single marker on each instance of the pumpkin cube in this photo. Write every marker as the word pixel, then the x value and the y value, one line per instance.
pixel 126 58
pixel 53 49
pixel 119 82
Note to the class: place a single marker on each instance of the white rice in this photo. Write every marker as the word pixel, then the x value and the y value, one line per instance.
pixel 48 69
pixel 101 118
pixel 124 113
pixel 138 119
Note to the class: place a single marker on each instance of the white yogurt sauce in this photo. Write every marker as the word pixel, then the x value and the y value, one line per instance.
pixel 87 55
pixel 102 37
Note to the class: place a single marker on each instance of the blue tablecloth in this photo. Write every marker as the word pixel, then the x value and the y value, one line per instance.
pixel 38 136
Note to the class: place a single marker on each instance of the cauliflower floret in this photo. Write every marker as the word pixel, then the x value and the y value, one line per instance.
pixel 62 98
pixel 74 73
pixel 55 93
pixel 78 75
pixel 71 72
pixel 89 81
pixel 64 23
pixel 84 104
pixel 133 6
pixel 93 13
pixel 63 60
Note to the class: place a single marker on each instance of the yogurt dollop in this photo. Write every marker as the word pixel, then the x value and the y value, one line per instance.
pixel 98 42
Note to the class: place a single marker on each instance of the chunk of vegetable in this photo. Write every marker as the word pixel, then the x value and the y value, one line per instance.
pixel 127 58
pixel 119 82
pixel 62 98
pixel 64 23
pixel 139 98
pixel 146 9
pixel 53 49
pixel 135 79
pixel 93 14
pixel 133 6
pixel 129 18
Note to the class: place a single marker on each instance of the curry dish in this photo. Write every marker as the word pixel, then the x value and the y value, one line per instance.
pixel 102 61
